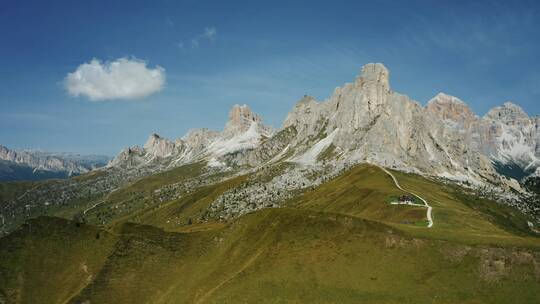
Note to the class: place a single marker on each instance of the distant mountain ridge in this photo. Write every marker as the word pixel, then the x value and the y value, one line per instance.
pixel 36 165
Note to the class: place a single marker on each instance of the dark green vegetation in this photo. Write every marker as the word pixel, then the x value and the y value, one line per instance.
pixel 11 190
pixel 511 170
pixel 341 242
pixel 533 184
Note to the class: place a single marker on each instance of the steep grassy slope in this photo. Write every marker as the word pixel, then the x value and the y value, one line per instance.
pixel 174 214
pixel 14 189
pixel 145 186
pixel 364 191
pixel 283 255
pixel 48 260
pixel 463 217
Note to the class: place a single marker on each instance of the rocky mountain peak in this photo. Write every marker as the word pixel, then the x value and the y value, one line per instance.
pixel 306 115
pixel 198 139
pixel 6 153
pixel 508 113
pixel 158 146
pixel 240 120
pixel 443 98
pixel 375 74
pixel 447 107
pixel 306 100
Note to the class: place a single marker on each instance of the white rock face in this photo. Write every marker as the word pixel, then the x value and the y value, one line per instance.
pixel 370 122
pixel 243 131
pixel 241 119
pixel 159 146
pixel 307 116
pixel 451 110
pixel 513 136
pixel 445 138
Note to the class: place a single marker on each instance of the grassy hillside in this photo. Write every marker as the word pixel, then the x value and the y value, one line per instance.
pixel 274 256
pixel 11 190
pixel 138 196
pixel 364 191
pixel 342 242
pixel 48 260
pixel 465 218
pixel 179 212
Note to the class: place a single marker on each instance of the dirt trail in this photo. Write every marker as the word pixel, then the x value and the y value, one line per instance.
pixel 429 208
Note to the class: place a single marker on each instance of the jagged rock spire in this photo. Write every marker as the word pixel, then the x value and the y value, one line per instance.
pixel 158 146
pixel 375 74
pixel 240 119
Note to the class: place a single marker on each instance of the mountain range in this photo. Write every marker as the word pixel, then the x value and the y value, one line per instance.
pixel 36 165
pixel 366 121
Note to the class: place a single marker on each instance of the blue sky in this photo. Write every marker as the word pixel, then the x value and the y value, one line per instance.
pixel 267 54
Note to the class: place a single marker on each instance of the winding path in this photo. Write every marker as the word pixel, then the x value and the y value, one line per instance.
pixel 429 208
pixel 92 207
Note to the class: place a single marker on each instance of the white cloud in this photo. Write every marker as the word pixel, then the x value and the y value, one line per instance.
pixel 124 78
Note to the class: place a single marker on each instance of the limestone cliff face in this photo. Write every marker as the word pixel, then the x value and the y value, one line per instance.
pixel 458 133
pixel 241 118
pixel 451 110
pixel 159 146
pixel 512 136
pixel 370 122
pixel 357 105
